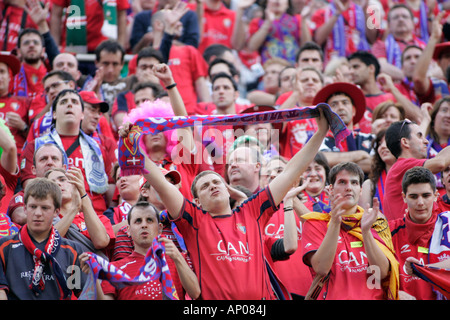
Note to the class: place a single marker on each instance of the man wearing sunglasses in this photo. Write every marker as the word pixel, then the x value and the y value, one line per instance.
pixel 408 144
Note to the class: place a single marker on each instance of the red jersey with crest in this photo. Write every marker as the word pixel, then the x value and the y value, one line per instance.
pixel 228 251
pixel 19 105
pixel 218 27
pixel 130 265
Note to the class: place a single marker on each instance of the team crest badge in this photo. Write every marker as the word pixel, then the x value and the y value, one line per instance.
pixel 241 228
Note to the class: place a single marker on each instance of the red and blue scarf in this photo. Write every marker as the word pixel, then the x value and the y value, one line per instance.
pixel 154 268
pixel 131 160
pixel 43 258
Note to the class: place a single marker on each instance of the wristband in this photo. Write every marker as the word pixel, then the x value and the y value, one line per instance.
pixel 288 208
pixel 173 85
pixel 84 196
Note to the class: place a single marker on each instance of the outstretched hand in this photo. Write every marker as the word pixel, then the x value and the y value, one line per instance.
pixel 370 215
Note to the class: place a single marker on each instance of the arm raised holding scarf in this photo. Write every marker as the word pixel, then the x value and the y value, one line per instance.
pixel 163 72
pixel 280 186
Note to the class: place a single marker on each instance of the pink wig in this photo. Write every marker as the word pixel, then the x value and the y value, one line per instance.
pixel 154 109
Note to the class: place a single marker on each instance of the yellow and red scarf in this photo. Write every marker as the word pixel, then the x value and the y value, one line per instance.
pixel 380 230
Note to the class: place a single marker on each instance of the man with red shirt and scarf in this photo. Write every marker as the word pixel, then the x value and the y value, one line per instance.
pixel 81 150
pixel 226 245
pixel 343 247
pixel 28 82
pixel 401 34
pixel 413 235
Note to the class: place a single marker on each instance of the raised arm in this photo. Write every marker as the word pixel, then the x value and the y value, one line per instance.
pixel 188 279
pixel 162 71
pixel 9 155
pixel 322 33
pixel 97 230
pixel 299 162
pixel 420 78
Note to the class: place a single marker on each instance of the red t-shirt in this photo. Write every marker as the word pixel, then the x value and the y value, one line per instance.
pixel 352 35
pixel 295 135
pixel 297 282
pixel 9 181
pixel 348 274
pixel 187 65
pixel 33 78
pixel 393 204
pixel 443 203
pixel 413 240
pixel 217 27
pixel 19 105
pixel 365 124
pixel 227 251
pixel 130 265
pixel 80 222
pixel 11 25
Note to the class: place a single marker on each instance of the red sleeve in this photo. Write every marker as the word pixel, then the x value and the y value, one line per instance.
pixel 317 19
pixel 254 26
pixel 312 236
pixel 109 229
pixel 122 5
pixel 282 98
pixel 429 96
pixel 61 3
pixel 10 179
pixel 379 49
pixel 199 65
pixel 108 288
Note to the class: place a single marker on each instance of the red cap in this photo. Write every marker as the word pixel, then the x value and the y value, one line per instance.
pixel 12 62
pixel 91 98
pixel 440 47
pixel 355 93
pixel 174 174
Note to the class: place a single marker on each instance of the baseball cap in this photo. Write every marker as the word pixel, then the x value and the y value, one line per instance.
pixel 91 97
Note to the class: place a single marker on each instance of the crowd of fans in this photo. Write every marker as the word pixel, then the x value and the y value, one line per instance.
pixel 74 74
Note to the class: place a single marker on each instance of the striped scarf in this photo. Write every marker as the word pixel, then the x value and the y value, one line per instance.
pixel 154 268
pixel 382 235
pixel 43 258
pixel 131 160
pixel 94 165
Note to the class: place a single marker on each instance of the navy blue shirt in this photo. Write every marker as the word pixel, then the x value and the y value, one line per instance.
pixel 142 25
